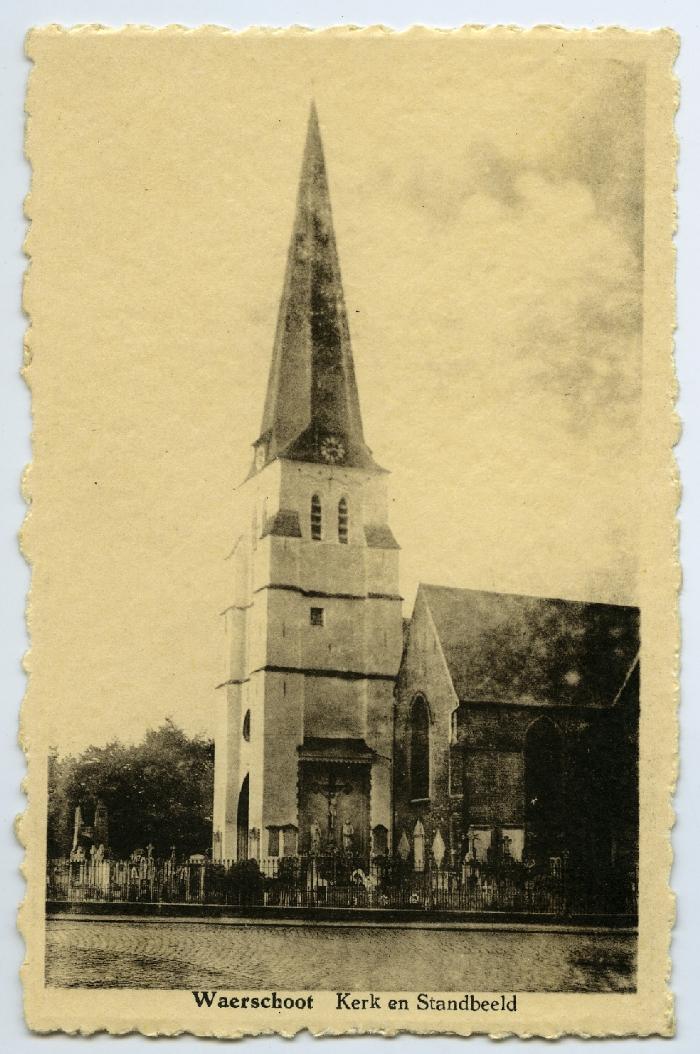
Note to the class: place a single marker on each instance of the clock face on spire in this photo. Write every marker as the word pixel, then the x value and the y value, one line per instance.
pixel 332 450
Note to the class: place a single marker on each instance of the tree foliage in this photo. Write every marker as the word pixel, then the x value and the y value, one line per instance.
pixel 158 791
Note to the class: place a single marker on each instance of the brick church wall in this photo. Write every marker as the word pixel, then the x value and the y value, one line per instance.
pixel 494 785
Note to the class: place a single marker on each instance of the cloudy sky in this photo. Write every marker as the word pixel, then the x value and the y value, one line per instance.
pixel 488 210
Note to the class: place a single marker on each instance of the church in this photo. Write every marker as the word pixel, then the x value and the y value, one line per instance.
pixel 492 725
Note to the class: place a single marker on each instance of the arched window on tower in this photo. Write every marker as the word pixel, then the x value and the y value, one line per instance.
pixel 420 748
pixel 316 518
pixel 343 521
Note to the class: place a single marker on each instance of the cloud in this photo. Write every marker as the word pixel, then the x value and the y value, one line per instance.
pixel 513 302
pixel 522 272
pixel 582 333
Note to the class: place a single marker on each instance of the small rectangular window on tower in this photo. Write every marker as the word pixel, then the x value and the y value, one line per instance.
pixel 317 616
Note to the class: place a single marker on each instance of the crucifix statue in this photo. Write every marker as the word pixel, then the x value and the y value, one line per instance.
pixel 330 790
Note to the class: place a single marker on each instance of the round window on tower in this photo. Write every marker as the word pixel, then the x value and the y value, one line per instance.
pixel 246 726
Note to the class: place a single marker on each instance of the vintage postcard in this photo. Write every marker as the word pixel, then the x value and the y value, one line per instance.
pixel 352 684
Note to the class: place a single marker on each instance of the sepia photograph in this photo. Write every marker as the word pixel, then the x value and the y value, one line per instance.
pixel 353 596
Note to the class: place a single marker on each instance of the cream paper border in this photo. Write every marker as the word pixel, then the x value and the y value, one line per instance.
pixel 650 1009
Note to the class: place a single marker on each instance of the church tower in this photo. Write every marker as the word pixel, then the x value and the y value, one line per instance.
pixel 314 628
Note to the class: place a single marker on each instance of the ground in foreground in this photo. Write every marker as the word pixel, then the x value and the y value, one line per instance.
pixel 171 954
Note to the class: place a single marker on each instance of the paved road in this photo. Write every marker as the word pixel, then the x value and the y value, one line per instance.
pixel 171 954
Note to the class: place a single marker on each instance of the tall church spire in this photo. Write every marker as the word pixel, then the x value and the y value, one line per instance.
pixel 312 409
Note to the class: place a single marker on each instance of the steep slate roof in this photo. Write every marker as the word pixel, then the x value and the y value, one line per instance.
pixel 503 647
pixel 312 393
pixel 284 524
pixel 380 536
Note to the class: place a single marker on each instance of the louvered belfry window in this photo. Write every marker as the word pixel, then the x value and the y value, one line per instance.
pixel 343 521
pixel 316 518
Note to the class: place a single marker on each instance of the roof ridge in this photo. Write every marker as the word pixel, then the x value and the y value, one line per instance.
pixel 526 596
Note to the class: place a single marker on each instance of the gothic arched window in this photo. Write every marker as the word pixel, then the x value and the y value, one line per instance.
pixel 246 726
pixel 420 748
pixel 316 518
pixel 455 756
pixel 456 776
pixel 343 521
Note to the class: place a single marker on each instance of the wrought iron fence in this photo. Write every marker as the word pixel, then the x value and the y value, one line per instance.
pixel 336 882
